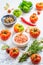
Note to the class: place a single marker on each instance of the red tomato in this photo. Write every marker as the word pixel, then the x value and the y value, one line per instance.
pixel 5 34
pixel 35 58
pixel 33 18
pixel 39 6
pixel 34 32
pixel 14 52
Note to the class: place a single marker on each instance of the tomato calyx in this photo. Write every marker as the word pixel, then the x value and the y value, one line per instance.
pixel 35 56
pixel 19 26
pixel 4 32
pixel 14 50
pixel 35 30
pixel 33 16
pixel 40 3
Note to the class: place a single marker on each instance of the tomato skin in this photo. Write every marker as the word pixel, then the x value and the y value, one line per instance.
pixel 5 34
pixel 35 58
pixel 39 6
pixel 33 18
pixel 14 52
pixel 33 33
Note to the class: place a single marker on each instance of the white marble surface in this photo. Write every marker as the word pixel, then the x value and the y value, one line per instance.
pixel 5 59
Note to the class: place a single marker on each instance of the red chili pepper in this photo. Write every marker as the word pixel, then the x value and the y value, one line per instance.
pixel 28 23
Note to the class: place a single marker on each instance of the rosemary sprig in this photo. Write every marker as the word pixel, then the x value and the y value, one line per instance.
pixel 34 48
